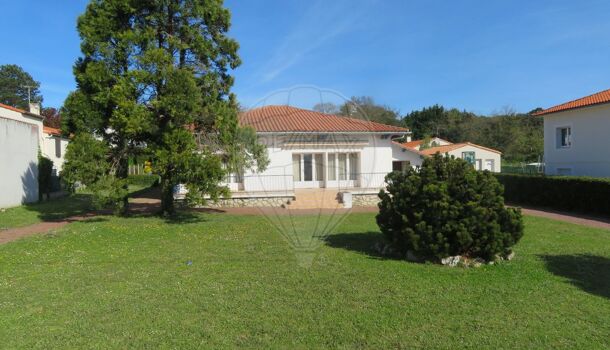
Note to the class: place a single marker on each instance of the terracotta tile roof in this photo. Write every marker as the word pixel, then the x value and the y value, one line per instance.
pixel 595 99
pixel 2 105
pixel 51 131
pixel 291 119
pixel 413 144
pixel 410 149
pixel 448 148
pixel 12 108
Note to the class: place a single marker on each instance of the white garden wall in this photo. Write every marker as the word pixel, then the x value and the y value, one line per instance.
pixel 19 144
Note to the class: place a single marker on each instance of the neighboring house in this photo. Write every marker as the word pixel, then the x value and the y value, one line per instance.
pixel 314 154
pixel 482 158
pixel 22 137
pixel 576 140
pixel 55 147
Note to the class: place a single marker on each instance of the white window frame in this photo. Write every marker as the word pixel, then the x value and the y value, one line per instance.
pixel 559 136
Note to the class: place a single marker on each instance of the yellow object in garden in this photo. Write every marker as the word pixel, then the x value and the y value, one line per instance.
pixel 148 167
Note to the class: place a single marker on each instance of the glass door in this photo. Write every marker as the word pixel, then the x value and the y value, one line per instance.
pixel 308 170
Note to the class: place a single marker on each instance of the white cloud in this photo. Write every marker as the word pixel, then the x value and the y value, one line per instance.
pixel 318 26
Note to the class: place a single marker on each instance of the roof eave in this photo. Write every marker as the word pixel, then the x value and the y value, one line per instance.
pixel 335 132
pixel 544 113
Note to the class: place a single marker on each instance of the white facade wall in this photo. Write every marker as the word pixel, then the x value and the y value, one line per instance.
pixel 402 154
pixel 19 143
pixel 49 150
pixel 589 152
pixel 375 155
pixel 484 159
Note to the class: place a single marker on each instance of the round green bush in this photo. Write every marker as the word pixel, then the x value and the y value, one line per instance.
pixel 447 208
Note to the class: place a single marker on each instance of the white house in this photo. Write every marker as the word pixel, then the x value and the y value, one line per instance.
pixel 482 158
pixel 314 157
pixel 576 140
pixel 54 147
pixel 22 136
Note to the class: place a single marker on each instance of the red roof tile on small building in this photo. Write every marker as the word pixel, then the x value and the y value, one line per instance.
pixel 591 100
pixel 51 131
pixel 413 144
pixel 448 148
pixel 292 119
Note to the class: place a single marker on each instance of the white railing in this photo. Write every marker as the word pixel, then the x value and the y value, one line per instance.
pixel 285 183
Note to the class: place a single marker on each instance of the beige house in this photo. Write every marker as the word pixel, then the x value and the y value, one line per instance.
pixel 482 158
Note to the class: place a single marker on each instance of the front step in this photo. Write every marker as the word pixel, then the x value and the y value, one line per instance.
pixel 315 199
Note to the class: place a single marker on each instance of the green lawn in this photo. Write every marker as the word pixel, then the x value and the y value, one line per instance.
pixel 221 281
pixel 52 210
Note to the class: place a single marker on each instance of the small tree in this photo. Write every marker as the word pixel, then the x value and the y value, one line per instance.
pixel 157 75
pixel 17 86
pixel 45 176
pixel 445 209
pixel 86 163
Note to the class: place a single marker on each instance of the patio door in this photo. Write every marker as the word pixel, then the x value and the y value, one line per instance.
pixel 308 170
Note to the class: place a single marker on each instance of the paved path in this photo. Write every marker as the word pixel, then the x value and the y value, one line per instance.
pixel 41 227
pixel 584 220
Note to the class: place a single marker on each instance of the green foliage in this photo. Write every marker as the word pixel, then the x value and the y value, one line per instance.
pixel 85 160
pixel 52 117
pixel 144 181
pixel 570 193
pixel 518 136
pixel 157 74
pixel 365 108
pixel 445 209
pixel 86 163
pixel 45 176
pixel 13 87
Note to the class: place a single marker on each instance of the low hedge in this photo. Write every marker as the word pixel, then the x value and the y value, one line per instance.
pixel 579 194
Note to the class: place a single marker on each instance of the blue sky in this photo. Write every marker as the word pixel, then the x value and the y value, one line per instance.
pixel 477 55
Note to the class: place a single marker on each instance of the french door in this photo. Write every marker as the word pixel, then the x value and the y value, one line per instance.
pixel 308 170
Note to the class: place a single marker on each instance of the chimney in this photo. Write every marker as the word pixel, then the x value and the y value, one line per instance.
pixel 35 108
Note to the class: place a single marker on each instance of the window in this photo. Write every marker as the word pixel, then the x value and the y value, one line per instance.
pixel 308 167
pixel 401 166
pixel 342 166
pixel 57 147
pixel 397 166
pixel 296 167
pixel 319 167
pixel 353 166
pixel 332 167
pixel 564 137
pixel 469 157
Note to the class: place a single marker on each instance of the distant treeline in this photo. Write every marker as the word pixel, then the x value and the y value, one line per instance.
pixel 518 136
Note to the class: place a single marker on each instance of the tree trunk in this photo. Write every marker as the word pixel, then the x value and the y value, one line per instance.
pixel 122 173
pixel 167 198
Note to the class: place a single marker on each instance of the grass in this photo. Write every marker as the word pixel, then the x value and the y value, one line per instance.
pixel 222 281
pixel 51 210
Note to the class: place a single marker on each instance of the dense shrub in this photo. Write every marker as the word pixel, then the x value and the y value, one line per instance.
pixel 581 194
pixel 143 180
pixel 446 209
pixel 45 177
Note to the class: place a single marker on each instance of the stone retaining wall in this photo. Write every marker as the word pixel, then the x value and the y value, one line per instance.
pixel 365 200
pixel 257 202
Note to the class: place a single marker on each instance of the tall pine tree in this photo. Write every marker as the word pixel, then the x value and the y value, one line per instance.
pixel 155 78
